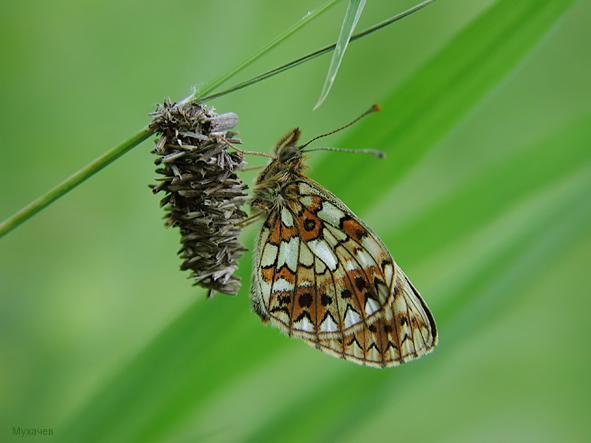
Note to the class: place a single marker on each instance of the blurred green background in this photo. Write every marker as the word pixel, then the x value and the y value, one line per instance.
pixel 484 201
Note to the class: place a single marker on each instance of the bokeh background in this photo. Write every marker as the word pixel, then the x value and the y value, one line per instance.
pixel 484 200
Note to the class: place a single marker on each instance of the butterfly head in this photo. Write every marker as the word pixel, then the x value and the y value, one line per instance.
pixel 288 157
pixel 287 163
pixel 287 147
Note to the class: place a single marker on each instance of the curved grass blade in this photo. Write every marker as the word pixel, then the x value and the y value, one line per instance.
pixel 72 181
pixel 439 95
pixel 354 10
pixel 511 180
pixel 551 221
pixel 317 53
pixel 208 88
pixel 148 398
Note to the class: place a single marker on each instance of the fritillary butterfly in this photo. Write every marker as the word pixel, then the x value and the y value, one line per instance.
pixel 321 275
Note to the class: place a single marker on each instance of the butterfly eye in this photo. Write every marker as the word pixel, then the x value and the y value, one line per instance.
pixel 288 152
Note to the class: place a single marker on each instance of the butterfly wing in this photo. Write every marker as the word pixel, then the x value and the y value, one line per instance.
pixel 403 331
pixel 322 275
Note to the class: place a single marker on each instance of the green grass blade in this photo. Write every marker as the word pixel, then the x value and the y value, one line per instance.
pixel 541 229
pixel 208 88
pixel 493 192
pixel 317 53
pixel 354 10
pixel 166 380
pixel 74 180
pixel 437 97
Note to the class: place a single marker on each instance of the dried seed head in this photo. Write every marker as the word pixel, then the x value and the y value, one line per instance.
pixel 203 193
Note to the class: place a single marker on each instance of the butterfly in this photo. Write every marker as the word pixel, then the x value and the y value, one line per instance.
pixel 320 274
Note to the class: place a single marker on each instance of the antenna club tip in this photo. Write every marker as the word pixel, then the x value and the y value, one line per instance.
pixel 376 108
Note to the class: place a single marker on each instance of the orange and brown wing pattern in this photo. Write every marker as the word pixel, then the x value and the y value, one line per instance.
pixel 321 273
pixel 404 330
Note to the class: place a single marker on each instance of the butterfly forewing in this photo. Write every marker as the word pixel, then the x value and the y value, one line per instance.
pixel 322 271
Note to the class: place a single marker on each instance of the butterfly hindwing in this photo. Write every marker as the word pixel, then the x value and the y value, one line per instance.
pixel 405 331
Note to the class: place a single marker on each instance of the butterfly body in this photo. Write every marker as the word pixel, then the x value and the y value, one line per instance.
pixel 321 275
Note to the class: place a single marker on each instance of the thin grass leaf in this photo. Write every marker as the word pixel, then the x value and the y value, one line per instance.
pixel 354 10
pixel 317 53
pixel 515 177
pixel 439 95
pixel 74 180
pixel 518 245
pixel 312 15
pixel 549 223
pixel 176 366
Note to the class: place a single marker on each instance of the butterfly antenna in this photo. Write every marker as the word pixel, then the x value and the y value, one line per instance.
pixel 374 108
pixel 375 152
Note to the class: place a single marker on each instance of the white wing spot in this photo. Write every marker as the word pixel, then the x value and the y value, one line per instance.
pixel 282 285
pixel 328 325
pixel 265 293
pixel 389 273
pixel 320 267
pixel 282 317
pixel 383 292
pixel 306 257
pixel 306 189
pixel 321 250
pixel 400 305
pixel 373 354
pixel 288 254
pixel 286 217
pixel 371 306
pixel 331 214
pixel 307 200
pixel 329 238
pixel 372 246
pixel 304 284
pixel 337 232
pixel 355 350
pixel 305 325
pixel 351 265
pixel 391 354
pixel 351 318
pixel 269 255
pixel 365 259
